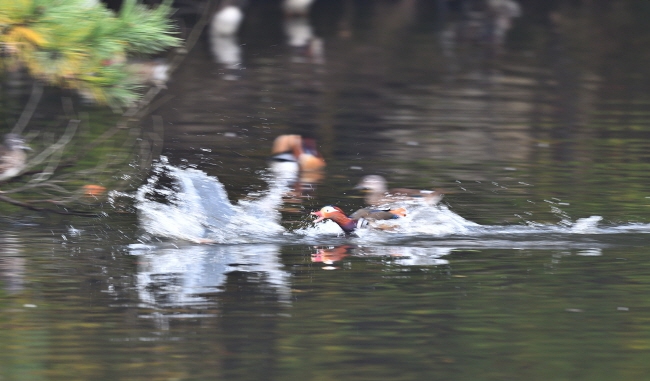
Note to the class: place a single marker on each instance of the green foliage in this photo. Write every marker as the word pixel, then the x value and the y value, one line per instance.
pixel 79 45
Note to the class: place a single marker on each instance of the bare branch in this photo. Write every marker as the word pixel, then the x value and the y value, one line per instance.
pixel 194 36
pixel 38 209
pixel 30 107
pixel 68 107
pixel 59 145
pixel 154 106
pixel 55 150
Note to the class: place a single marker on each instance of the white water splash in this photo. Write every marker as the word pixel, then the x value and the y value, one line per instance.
pixel 197 209
pixel 421 219
pixel 586 225
pixel 434 221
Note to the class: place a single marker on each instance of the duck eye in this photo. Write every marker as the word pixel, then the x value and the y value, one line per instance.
pixel 328 209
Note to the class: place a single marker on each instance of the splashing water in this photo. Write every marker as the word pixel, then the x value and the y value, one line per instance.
pixel 586 225
pixel 196 208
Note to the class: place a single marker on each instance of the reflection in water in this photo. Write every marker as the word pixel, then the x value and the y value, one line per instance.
pixel 188 275
pixel 192 275
pixel 296 8
pixel 409 256
pixel 401 255
pixel 305 46
pixel 377 192
pixel 500 14
pixel 479 23
pixel 225 24
pixel 223 37
pixel 12 264
pixel 329 255
pixel 227 52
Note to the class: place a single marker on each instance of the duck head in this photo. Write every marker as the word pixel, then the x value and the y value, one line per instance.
pixel 372 184
pixel 15 142
pixel 328 212
pixel 337 215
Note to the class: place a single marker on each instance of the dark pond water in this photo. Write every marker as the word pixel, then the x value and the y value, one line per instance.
pixel 533 267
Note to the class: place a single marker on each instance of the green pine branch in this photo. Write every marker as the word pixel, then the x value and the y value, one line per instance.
pixel 72 44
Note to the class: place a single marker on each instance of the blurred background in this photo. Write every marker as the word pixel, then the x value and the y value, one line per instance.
pixel 527 100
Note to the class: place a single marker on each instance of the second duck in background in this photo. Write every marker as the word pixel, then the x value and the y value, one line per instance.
pixel 377 192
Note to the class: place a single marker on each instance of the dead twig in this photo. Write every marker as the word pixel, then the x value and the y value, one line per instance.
pixel 30 107
pixel 29 206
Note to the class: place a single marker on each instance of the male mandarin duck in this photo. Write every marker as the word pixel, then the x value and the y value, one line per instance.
pixel 12 156
pixel 295 159
pixel 358 219
pixel 297 153
pixel 296 148
pixel 377 193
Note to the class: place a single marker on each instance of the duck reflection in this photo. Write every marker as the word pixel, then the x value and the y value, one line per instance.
pixel 225 24
pixel 223 36
pixel 296 8
pixel 12 264
pixel 500 15
pixel 189 275
pixel 305 46
pixel 405 256
pixel 331 254
pixel 483 24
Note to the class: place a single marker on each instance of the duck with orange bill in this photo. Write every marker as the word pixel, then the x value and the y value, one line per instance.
pixel 377 193
pixel 298 151
pixel 12 156
pixel 357 220
pixel 296 160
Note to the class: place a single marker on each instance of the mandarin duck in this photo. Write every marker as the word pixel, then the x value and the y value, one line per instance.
pixel 12 156
pixel 296 153
pixel 377 193
pixel 358 219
